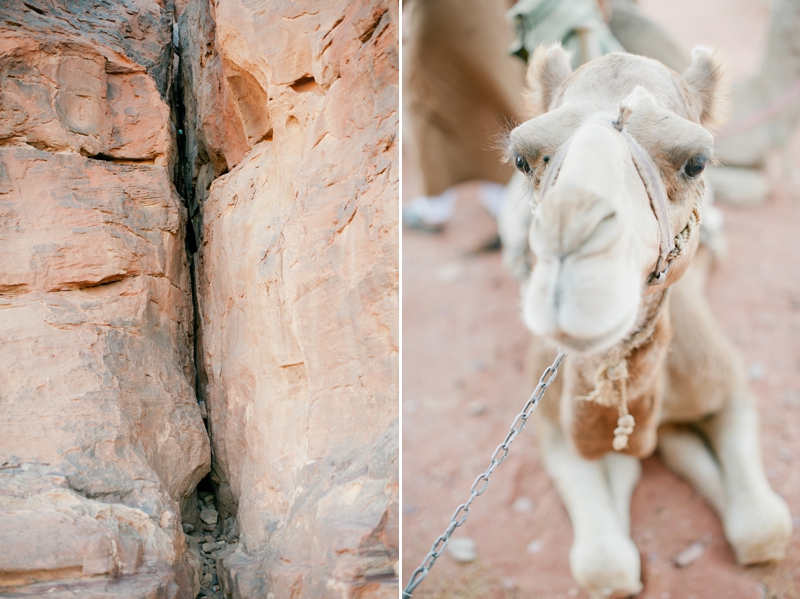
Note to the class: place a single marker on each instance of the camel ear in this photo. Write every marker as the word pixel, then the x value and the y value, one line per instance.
pixel 549 67
pixel 709 86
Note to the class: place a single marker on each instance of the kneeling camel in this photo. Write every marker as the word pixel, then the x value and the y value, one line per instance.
pixel 613 166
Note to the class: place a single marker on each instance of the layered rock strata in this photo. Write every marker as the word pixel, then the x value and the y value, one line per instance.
pixel 291 159
pixel 101 437
pixel 282 138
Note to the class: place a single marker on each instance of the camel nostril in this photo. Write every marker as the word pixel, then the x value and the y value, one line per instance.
pixel 608 216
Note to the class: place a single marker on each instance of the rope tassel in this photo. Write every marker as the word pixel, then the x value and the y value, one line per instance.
pixel 610 389
pixel 625 424
pixel 611 377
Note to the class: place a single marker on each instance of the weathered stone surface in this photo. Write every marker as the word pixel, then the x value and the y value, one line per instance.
pixel 288 156
pixel 101 438
pixel 67 97
pixel 297 286
pixel 132 35
pixel 66 544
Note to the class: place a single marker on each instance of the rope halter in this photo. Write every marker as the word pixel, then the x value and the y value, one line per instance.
pixel 670 247
pixel 611 376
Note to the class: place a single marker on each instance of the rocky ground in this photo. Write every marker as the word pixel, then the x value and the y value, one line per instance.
pixel 213 538
pixel 463 382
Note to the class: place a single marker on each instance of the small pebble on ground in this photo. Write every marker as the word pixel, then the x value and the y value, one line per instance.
pixel 755 371
pixel 524 505
pixel 450 273
pixel 462 549
pixel 535 546
pixel 690 555
pixel 476 408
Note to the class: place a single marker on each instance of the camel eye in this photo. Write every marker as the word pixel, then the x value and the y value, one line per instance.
pixel 694 166
pixel 522 164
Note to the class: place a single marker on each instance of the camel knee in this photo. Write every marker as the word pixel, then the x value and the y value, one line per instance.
pixel 757 521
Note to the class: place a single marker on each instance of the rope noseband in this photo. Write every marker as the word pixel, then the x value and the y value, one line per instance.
pixel 648 171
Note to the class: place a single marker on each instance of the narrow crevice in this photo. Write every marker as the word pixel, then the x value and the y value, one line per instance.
pixel 119 160
pixel 208 531
pixel 183 184
pixel 34 8
pixel 109 280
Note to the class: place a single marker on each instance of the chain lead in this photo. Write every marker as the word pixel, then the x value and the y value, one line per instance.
pixel 462 511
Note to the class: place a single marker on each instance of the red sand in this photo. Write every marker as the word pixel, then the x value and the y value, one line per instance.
pixel 463 348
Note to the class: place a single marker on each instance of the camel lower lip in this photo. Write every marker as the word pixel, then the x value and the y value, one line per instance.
pixel 576 343
pixel 590 344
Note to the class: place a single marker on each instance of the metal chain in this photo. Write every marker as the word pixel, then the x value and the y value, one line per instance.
pixel 498 457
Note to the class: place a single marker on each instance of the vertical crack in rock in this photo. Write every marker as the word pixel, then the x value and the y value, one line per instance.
pixel 205 530
pixel 113 236
pixel 294 118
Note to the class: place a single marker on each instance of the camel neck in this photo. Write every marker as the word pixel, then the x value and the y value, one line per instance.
pixel 612 391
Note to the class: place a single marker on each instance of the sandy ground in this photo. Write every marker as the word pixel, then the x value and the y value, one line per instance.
pixel 463 383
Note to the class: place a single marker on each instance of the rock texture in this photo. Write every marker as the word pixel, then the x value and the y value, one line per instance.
pixel 291 163
pixel 277 122
pixel 101 437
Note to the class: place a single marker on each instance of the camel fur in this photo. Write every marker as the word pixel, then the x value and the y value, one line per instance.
pixel 594 240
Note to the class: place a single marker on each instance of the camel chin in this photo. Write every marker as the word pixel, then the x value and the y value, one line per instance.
pixel 583 312
pixel 573 344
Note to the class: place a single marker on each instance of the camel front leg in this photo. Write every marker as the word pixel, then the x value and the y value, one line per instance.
pixel 706 376
pixel 603 558
pixel 757 520
pixel 685 453
pixel 623 473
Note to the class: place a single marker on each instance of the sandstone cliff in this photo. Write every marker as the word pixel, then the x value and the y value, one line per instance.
pixel 198 219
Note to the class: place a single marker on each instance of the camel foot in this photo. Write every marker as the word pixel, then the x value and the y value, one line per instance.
pixel 607 568
pixel 759 530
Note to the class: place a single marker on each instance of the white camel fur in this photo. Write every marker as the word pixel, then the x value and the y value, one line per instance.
pixel 651 351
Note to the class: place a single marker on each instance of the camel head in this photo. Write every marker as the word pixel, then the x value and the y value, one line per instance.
pixel 599 233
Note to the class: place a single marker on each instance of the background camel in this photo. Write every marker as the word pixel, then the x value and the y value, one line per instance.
pixel 463 384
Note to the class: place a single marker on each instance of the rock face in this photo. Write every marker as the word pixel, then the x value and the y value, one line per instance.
pixel 291 163
pixel 101 437
pixel 275 294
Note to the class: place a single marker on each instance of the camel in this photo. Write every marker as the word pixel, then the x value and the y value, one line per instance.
pixel 611 183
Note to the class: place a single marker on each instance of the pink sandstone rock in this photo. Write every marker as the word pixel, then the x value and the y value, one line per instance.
pixel 283 138
pixel 101 438
pixel 297 286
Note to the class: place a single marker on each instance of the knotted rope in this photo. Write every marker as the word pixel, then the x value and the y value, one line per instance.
pixel 611 377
